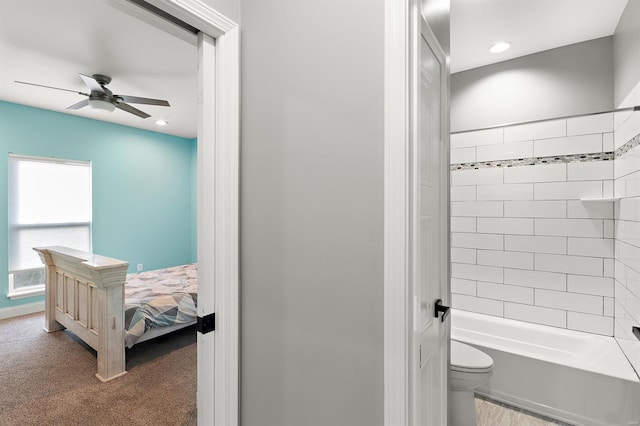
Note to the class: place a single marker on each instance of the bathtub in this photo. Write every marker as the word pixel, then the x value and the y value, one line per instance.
pixel 579 378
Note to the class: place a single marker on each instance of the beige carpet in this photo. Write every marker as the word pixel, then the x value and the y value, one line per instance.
pixel 49 379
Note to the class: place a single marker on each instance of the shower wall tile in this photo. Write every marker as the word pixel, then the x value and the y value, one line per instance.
pixel 506 293
pixel 536 279
pixel 535 209
pixel 536 244
pixel 536 314
pixel 569 145
pixel 540 173
pixel 596 324
pixel 626 309
pixel 600 123
pixel 524 244
pixel 492 225
pixel 567 190
pixel 477 138
pixel 505 151
pixel 513 191
pixel 542 130
pixel 463 155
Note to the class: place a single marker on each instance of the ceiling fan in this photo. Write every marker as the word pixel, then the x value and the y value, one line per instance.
pixel 104 99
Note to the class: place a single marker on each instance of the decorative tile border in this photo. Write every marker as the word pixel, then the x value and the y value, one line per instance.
pixel 553 159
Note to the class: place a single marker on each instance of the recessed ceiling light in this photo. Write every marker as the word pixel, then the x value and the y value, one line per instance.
pixel 161 122
pixel 499 47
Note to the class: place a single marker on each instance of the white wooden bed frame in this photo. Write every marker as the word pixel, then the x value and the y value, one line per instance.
pixel 85 294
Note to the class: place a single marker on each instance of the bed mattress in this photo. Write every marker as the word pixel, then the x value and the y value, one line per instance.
pixel 159 298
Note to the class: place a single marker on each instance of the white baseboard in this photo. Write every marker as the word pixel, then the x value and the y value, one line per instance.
pixel 16 311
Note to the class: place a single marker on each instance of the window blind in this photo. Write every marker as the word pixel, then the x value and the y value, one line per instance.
pixel 49 204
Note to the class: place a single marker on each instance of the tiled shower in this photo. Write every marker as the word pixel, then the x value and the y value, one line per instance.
pixel 545 224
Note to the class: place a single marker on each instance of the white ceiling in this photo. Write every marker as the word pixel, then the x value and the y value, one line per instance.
pixel 530 25
pixel 50 41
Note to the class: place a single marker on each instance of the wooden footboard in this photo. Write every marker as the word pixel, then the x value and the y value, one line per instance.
pixel 85 294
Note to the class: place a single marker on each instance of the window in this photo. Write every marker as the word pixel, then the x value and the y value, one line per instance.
pixel 49 204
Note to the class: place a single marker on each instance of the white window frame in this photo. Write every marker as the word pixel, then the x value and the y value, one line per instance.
pixel 39 289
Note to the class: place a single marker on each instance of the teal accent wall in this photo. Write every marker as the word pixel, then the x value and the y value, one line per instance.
pixel 143 185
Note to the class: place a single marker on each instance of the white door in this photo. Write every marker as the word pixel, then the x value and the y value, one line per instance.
pixel 430 236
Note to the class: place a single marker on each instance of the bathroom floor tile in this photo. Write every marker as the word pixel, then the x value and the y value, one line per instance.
pixel 491 413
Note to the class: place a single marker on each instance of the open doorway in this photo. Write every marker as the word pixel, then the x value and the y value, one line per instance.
pixel 217 187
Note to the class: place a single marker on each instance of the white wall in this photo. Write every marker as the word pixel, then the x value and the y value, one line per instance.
pixel 627 173
pixel 524 245
pixel 575 79
pixel 312 212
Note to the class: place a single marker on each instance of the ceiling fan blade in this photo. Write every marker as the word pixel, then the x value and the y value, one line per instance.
pixel 132 110
pixel 79 105
pixel 92 83
pixel 147 101
pixel 51 87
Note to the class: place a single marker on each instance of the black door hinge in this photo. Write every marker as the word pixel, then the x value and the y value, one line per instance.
pixel 206 323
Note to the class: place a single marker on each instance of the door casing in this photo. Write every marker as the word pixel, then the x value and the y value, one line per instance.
pixel 218 195
pixel 403 29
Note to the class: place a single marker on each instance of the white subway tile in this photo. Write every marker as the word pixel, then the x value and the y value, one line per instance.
pixel 596 324
pixel 505 151
pixel 597 286
pixel 533 209
pixel 536 279
pixel 463 224
pixel 542 130
pixel 505 226
pixel 569 301
pixel 608 142
pixel 568 145
pixel 514 191
pixel 477 304
pixel 536 173
pixel 477 272
pixel 596 247
pixel 477 208
pixel 567 190
pixel 569 227
pixel 608 228
pixel 460 286
pixel 608 188
pixel 590 170
pixel 462 155
pixel 569 264
pixel 463 193
pixel 476 176
pixel 535 314
pixel 507 293
pixel 599 123
pixel 608 306
pixel 505 259
pixel 476 138
pixel 477 241
pixel 577 209
pixel 608 268
pixel 463 255
pixel 536 244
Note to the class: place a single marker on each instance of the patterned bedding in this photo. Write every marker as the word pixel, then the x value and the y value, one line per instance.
pixel 159 298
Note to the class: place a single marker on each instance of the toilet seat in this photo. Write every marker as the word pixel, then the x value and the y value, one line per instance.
pixel 467 359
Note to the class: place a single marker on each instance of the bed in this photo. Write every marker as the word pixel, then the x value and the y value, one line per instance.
pixel 93 297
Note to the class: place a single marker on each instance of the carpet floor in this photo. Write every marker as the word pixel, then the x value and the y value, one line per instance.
pixel 49 379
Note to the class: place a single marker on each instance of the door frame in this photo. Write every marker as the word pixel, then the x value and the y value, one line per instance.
pixel 218 202
pixel 403 30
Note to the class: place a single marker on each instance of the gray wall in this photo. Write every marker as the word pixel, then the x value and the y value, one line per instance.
pixel 437 13
pixel 626 47
pixel 312 212
pixel 574 79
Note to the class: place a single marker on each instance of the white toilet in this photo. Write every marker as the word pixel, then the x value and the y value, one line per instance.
pixel 470 368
